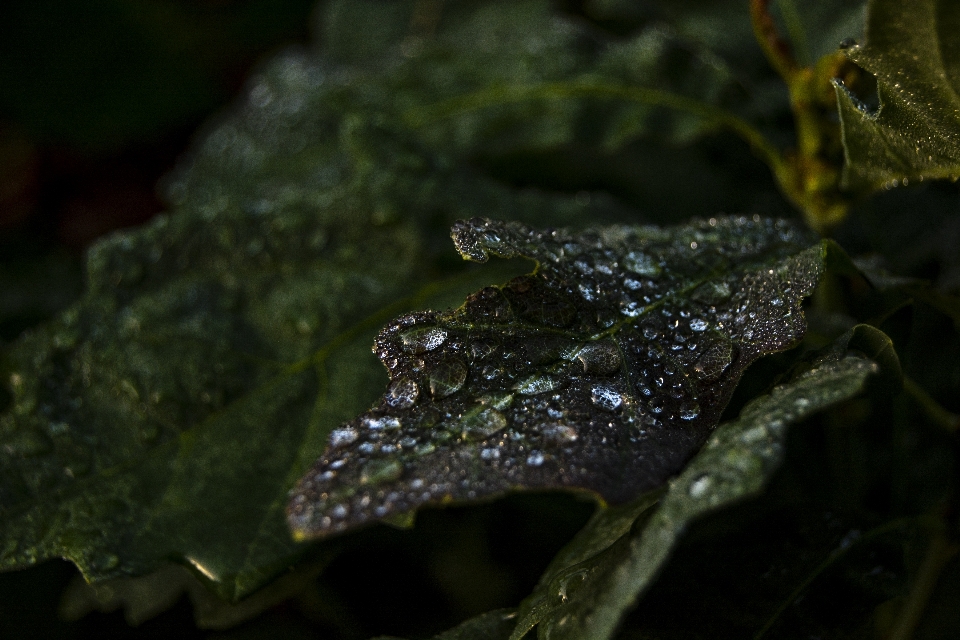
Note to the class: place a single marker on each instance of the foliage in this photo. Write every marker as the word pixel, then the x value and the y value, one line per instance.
pixel 155 432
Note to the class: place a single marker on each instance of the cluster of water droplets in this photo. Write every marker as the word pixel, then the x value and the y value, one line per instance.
pixel 622 346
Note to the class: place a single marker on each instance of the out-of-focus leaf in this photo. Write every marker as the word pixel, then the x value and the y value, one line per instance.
pixel 499 77
pixel 590 586
pixel 603 371
pixel 141 598
pixel 493 625
pixel 167 413
pixel 913 51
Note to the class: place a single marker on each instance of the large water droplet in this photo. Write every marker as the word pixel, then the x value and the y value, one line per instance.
pixel 402 393
pixel 698 324
pixel 423 339
pixel 600 358
pixel 716 357
pixel 447 376
pixel 537 384
pixel 642 264
pixel 605 397
pixel 378 471
pixel 343 437
pixel 480 423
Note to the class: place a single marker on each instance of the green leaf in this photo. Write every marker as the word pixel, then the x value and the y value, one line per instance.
pixel 913 51
pixel 604 371
pixel 599 576
pixel 165 416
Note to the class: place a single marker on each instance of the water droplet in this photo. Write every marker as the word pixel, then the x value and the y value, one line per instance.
pixel 535 459
pixel 423 339
pixel 605 397
pixel 340 511
pixel 480 423
pixel 642 264
pixel 425 449
pixel 689 410
pixel 379 471
pixel 699 487
pixel 650 332
pixel 698 324
pixel 447 376
pixel 716 357
pixel 600 358
pixel 561 433
pixel 491 453
pixel 402 393
pixel 537 384
pixel 385 423
pixel 343 437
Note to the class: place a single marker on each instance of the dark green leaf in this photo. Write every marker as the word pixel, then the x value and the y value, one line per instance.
pixel 913 51
pixel 215 348
pixel 591 584
pixel 604 371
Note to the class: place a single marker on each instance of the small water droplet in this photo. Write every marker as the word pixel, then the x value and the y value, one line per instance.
pixel 535 459
pixel 447 376
pixel 490 453
pixel 605 397
pixel 642 264
pixel 379 471
pixel 340 511
pixel 561 434
pixel 423 339
pixel 698 324
pixel 650 332
pixel 343 437
pixel 402 393
pixel 689 410
pixel 385 423
pixel 699 487
pixel 712 293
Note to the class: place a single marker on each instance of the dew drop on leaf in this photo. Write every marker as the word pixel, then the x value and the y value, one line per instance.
pixel 402 393
pixel 537 384
pixel 342 437
pixel 423 339
pixel 446 377
pixel 641 264
pixel 605 397
pixel 480 423
pixel 380 471
pixel 600 358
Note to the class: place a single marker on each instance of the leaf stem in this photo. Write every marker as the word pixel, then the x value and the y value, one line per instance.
pixel 834 556
pixel 811 178
pixel 939 551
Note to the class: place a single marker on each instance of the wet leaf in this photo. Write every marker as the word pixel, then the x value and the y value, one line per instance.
pixel 604 371
pixel 165 415
pixel 600 575
pixel 913 51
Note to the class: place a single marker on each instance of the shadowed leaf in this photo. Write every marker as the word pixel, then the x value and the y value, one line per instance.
pixel 600 575
pixel 603 371
pixel 913 51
